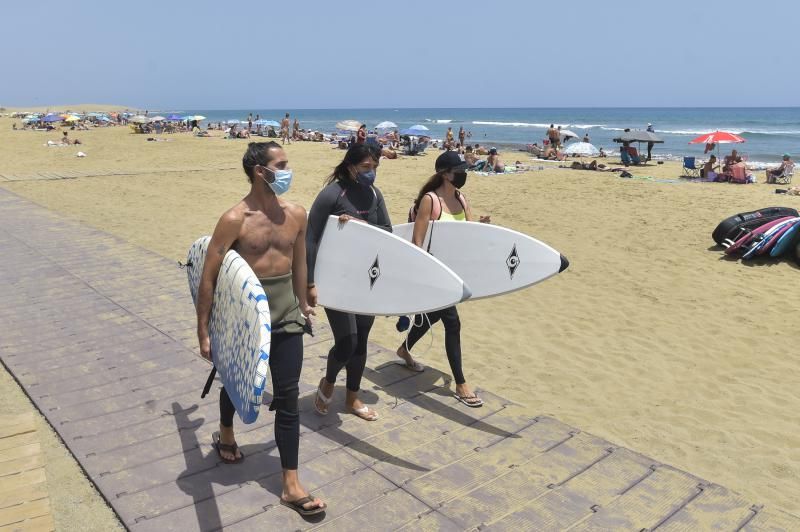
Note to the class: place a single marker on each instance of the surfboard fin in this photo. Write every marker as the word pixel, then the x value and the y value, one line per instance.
pixel 564 264
pixel 466 292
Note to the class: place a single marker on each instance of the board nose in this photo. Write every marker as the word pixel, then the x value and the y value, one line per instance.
pixel 466 293
pixel 564 264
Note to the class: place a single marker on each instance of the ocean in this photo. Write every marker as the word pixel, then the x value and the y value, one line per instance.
pixel 769 132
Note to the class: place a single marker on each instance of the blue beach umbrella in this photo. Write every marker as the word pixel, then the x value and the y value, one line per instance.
pixel 174 118
pixel 263 122
pixel 415 132
pixel 418 128
pixel 52 118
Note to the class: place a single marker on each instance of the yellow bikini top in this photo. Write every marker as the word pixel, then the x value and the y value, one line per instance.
pixel 459 217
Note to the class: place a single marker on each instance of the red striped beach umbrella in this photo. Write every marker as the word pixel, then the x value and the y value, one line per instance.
pixel 717 137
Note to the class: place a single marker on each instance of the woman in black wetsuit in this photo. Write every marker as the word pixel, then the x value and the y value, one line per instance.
pixel 349 194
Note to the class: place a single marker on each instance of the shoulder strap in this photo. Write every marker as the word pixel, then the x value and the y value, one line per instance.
pixel 436 208
pixel 462 199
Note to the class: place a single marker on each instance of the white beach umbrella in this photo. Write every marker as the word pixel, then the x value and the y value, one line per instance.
pixel 348 125
pixel 139 119
pixel 566 133
pixel 158 118
pixel 583 149
pixel 386 125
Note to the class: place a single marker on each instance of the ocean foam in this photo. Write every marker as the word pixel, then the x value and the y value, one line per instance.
pixel 536 124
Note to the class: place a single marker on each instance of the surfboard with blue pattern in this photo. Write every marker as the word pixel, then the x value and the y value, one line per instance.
pixel 239 327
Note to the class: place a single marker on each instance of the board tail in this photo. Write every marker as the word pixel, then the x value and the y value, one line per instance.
pixel 564 263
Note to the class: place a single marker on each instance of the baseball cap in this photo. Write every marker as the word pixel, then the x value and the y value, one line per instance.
pixel 450 160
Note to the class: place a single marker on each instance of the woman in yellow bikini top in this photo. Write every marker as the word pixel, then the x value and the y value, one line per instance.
pixel 441 199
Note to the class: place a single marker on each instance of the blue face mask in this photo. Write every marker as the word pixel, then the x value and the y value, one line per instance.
pixel 366 179
pixel 281 182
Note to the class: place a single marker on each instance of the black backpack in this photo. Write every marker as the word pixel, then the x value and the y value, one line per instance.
pixel 731 229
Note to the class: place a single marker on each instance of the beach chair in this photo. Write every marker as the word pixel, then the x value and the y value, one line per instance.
pixel 786 177
pixel 690 167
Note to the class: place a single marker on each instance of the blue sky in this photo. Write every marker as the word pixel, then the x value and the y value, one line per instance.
pixel 332 54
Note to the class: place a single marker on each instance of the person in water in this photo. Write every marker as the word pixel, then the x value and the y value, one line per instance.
pixel 440 198
pixel 350 194
pixel 269 234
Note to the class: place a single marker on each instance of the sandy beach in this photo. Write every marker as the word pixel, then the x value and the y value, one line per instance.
pixel 650 339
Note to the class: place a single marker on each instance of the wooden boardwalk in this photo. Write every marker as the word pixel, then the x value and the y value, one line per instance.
pixel 24 500
pixel 101 336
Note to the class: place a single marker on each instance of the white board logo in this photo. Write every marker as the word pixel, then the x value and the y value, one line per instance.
pixel 374 272
pixel 512 261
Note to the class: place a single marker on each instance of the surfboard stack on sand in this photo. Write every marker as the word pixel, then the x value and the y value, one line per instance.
pixel 365 270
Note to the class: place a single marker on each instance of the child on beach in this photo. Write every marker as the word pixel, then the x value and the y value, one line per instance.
pixel 440 198
pixel 269 233
pixel 350 194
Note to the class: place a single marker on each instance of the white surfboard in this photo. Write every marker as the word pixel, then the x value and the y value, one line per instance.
pixel 492 260
pixel 366 270
pixel 239 327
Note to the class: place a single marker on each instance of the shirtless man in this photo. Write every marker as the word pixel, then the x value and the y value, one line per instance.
pixel 554 136
pixel 270 234
pixel 285 130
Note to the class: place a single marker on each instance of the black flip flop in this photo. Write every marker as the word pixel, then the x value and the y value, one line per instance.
pixel 227 448
pixel 297 506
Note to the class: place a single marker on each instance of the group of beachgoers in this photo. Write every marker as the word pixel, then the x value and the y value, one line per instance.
pixel 280 243
pixel 733 169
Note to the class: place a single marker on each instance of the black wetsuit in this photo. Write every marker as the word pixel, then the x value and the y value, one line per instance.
pixel 285 365
pixel 350 331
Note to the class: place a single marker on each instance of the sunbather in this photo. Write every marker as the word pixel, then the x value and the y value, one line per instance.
pixel 775 173
pixel 494 163
pixel 709 170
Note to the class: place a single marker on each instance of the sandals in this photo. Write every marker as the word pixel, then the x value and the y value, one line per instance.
pixel 472 401
pixel 416 367
pixel 228 449
pixel 321 398
pixel 364 413
pixel 298 507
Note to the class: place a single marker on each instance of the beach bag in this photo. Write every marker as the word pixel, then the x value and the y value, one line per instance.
pixel 732 228
pixel 436 212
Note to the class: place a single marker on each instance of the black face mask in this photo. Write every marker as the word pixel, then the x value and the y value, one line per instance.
pixel 459 178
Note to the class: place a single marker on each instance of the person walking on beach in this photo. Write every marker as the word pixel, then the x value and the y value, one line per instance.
pixel 462 135
pixel 350 194
pixel 296 129
pixel 440 198
pixel 269 233
pixel 285 130
pixel 448 143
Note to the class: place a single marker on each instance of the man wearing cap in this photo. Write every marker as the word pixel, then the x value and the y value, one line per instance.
pixel 786 167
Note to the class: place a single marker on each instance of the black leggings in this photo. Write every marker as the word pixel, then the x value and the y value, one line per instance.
pixel 452 337
pixel 350 334
pixel 285 363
